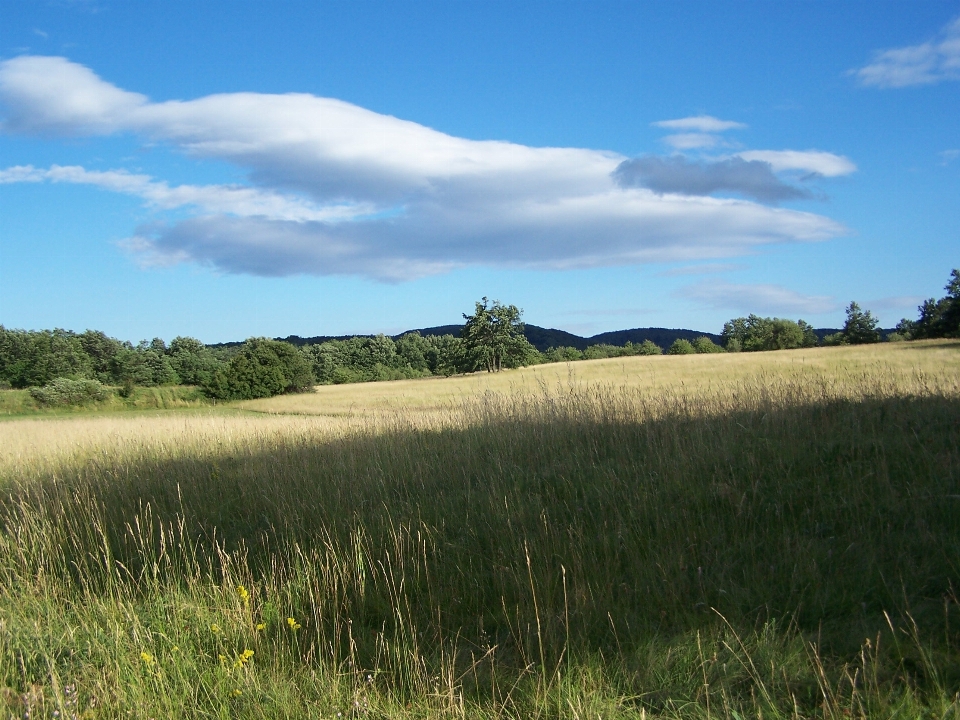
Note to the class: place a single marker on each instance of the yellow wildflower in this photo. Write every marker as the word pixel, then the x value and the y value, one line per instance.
pixel 294 625
pixel 243 658
pixel 147 658
pixel 237 692
pixel 215 628
pixel 244 595
pixel 261 627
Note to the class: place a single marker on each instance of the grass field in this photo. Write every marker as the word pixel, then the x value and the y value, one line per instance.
pixel 19 402
pixel 729 536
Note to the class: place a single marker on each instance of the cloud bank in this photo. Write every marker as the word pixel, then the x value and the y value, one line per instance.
pixel 925 64
pixel 335 188
pixel 761 299
pixel 677 174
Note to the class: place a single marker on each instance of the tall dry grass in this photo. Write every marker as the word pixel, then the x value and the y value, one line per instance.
pixel 767 539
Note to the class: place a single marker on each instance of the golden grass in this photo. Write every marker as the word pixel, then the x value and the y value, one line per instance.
pixel 909 364
pixel 675 537
pixel 36 444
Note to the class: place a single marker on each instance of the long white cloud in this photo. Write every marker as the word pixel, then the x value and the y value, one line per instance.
pixel 930 62
pixel 762 298
pixel 233 200
pixel 336 188
pixel 700 123
pixel 811 161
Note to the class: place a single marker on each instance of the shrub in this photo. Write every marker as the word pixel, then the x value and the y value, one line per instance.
pixel 647 347
pixel 681 347
pixel 65 392
pixel 262 368
pixel 703 344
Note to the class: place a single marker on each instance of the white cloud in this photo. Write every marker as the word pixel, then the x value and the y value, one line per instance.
pixel 895 302
pixel 703 269
pixel 691 141
pixel 700 123
pixel 758 299
pixel 948 156
pixel 811 161
pixel 336 188
pixel 925 64
pixel 233 200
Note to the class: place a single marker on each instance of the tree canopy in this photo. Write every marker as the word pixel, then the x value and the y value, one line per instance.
pixel 493 337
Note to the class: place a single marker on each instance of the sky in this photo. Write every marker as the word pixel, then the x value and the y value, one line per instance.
pixel 233 169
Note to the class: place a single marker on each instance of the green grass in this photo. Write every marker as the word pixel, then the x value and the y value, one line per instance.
pixel 15 403
pixel 777 547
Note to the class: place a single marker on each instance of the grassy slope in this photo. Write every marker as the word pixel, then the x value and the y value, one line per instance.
pixel 679 537
pixel 15 403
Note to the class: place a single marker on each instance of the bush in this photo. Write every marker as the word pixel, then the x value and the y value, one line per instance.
pixel 647 347
pixel 755 333
pixel 262 368
pixel 681 347
pixel 703 344
pixel 64 392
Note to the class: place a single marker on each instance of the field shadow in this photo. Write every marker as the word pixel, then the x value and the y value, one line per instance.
pixel 556 529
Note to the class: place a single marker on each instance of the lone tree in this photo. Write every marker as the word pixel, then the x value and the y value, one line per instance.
pixel 860 327
pixel 494 337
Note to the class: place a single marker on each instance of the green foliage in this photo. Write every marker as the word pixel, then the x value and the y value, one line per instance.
pixel 562 354
pixel 938 318
pixel 860 327
pixel 101 350
pixel 704 344
pixel 365 359
pixel 834 339
pixel 63 392
pixel 30 359
pixel 493 338
pixel 681 347
pixel 600 351
pixel 263 368
pixel 754 333
pixel 906 328
pixel 192 361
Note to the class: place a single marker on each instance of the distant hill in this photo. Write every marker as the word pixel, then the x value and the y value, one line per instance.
pixel 545 338
pixel 541 338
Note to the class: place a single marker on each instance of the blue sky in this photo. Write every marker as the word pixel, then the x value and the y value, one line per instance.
pixel 224 170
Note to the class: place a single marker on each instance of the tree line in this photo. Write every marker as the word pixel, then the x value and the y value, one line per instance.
pixel 72 365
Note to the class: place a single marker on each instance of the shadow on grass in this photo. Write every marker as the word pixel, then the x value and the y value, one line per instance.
pixel 551 530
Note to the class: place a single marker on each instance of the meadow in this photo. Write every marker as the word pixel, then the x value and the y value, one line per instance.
pixel 709 536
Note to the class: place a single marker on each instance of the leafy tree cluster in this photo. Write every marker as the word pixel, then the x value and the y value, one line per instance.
pixel 938 318
pixel 701 345
pixel 61 364
pixel 860 328
pixel 600 351
pixel 364 359
pixel 36 358
pixel 754 333
pixel 493 338
pixel 262 368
